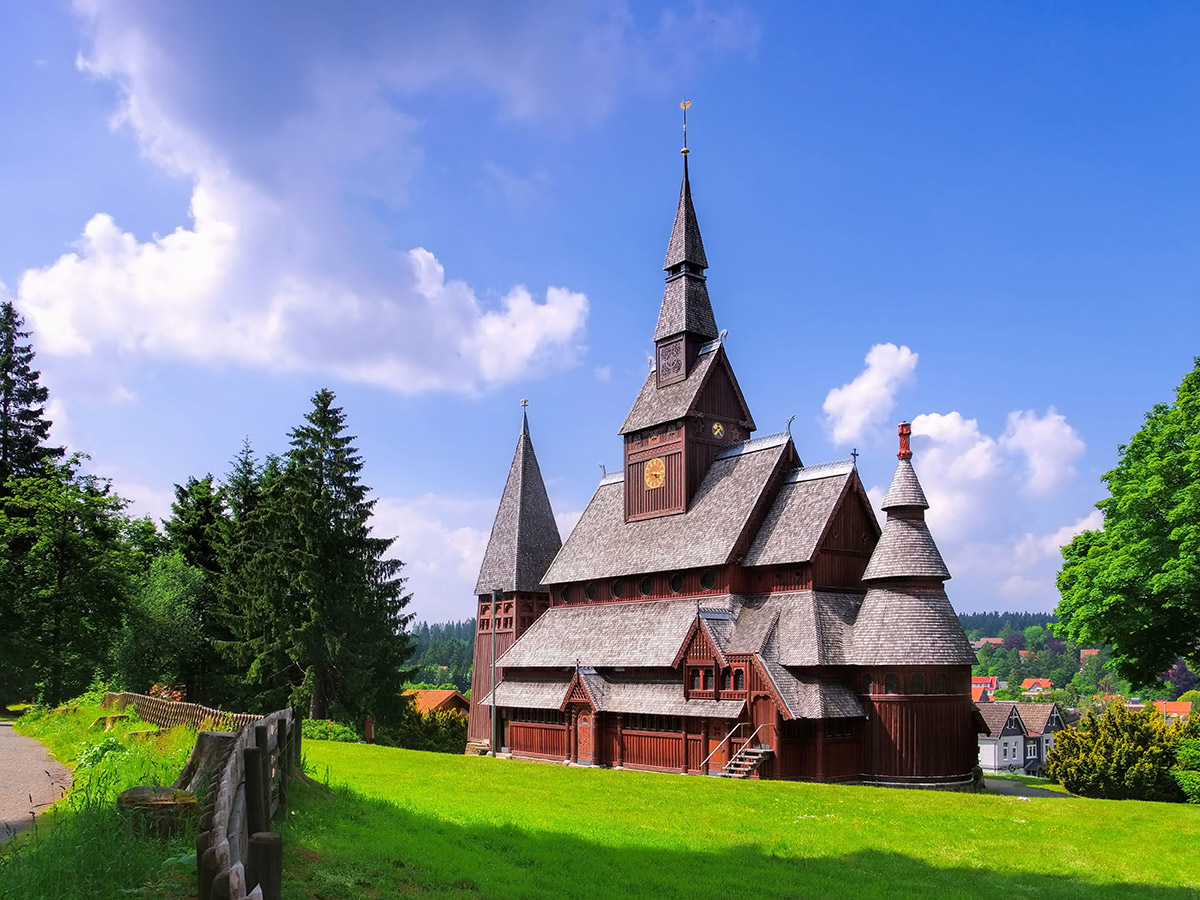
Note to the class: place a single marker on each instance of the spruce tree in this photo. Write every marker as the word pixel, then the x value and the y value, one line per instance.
pixel 329 617
pixel 24 427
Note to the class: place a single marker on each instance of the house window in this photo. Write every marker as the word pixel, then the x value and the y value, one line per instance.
pixel 798 729
pixel 917 684
pixel 891 685
pixel 644 722
pixel 708 679
pixel 538 716
pixel 940 685
pixel 618 589
pixel 739 679
pixel 566 593
pixel 695 679
pixel 866 684
pixel 676 583
pixel 960 685
pixel 1031 750
pixel 708 580
pixel 727 680
pixel 646 586
pixel 839 728
pixel 1006 751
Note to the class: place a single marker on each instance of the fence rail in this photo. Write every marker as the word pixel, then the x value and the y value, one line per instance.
pixel 238 857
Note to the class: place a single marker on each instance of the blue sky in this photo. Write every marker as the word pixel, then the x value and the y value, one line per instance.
pixel 977 217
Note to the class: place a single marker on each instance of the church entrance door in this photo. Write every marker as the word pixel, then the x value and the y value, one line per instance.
pixel 584 736
pixel 717 732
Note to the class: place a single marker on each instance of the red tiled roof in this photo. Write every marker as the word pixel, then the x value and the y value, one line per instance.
pixel 1181 708
pixel 427 701
pixel 1044 683
pixel 991 682
pixel 980 694
pixel 1088 651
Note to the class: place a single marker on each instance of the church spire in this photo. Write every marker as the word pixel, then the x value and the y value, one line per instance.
pixel 524 536
pixel 686 308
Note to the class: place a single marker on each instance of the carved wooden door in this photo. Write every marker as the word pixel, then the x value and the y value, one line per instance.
pixel 584 737
pixel 717 745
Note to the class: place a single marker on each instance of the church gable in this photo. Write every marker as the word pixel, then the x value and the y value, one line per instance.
pixel 700 647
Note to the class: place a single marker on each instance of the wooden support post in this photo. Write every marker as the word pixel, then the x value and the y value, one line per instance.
pixel 619 762
pixel 202 842
pixel 220 886
pixel 256 816
pixel 264 864
pixel 261 741
pixel 683 763
pixel 283 755
pixel 297 738
pixel 704 746
pixel 574 736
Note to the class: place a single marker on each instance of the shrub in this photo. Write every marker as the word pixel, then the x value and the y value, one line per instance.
pixel 328 730
pixel 1120 755
pixel 440 731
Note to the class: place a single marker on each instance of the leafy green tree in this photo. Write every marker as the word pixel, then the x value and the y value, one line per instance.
pixel 24 428
pixel 1120 755
pixel 1135 584
pixel 64 574
pixel 161 640
pixel 1035 637
pixel 327 625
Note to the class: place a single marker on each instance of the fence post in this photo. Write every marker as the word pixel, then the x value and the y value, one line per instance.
pixel 264 864
pixel 256 816
pixel 264 760
pixel 297 748
pixel 283 757
pixel 208 872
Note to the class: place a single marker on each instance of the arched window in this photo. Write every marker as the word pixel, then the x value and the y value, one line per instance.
pixel 695 679
pixel 676 583
pixel 708 679
pixel 960 684
pixel 891 685
pixel 917 684
pixel 866 684
pixel 646 586
pixel 739 679
pixel 727 680
pixel 940 686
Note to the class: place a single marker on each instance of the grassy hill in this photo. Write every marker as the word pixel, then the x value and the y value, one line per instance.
pixel 403 823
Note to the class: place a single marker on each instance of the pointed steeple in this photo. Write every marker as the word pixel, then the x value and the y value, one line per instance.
pixel 685 306
pixel 906 617
pixel 906 548
pixel 524 537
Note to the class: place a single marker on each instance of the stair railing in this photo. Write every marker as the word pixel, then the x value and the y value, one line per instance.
pixel 729 740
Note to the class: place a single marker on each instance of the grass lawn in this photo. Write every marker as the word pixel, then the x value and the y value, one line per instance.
pixel 83 847
pixel 409 824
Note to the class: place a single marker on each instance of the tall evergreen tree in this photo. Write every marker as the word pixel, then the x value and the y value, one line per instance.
pixel 329 622
pixel 24 427
pixel 199 523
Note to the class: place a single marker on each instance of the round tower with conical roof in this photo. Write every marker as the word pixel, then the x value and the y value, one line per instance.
pixel 908 639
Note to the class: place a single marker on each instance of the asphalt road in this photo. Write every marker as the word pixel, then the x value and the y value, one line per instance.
pixel 1016 789
pixel 29 780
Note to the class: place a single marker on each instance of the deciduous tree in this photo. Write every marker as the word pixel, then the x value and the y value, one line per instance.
pixel 1135 584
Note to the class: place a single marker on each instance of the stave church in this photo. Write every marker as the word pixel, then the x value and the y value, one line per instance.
pixel 721 607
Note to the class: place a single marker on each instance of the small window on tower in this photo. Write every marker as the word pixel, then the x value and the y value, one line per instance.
pixel 727 680
pixel 940 685
pixel 618 589
pixel 566 593
pixel 708 679
pixel 891 685
pixel 739 679
pixel 646 586
pixel 708 580
pixel 695 679
pixel 676 583
pixel 591 590
pixel 917 684
pixel 866 684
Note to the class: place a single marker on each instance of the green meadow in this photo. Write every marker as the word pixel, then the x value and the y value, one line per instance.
pixel 411 824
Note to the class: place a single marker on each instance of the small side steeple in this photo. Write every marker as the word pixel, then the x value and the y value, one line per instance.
pixel 524 537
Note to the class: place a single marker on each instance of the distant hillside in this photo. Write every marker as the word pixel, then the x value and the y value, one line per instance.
pixel 990 624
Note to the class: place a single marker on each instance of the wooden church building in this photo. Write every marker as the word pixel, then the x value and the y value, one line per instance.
pixel 720 607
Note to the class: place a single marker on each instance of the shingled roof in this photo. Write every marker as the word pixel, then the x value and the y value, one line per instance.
pixel 995 716
pixel 685 244
pixel 905 490
pixel 809 697
pixel 686 307
pixel 524 536
pixel 800 513
pixel 604 545
pixel 655 405
pixel 906 625
pixel 906 550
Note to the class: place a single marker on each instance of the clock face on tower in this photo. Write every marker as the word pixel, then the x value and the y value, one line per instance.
pixel 655 473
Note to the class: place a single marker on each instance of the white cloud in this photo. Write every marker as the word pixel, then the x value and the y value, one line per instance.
pixel 282 265
pixel 854 410
pixel 1032 549
pixel 1049 445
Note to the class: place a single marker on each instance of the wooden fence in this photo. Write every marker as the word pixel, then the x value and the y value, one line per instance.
pixel 169 713
pixel 238 857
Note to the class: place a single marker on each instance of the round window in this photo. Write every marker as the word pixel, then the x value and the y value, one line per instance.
pixel 618 588
pixel 708 580
pixel 646 586
pixel 591 590
pixel 676 583
pixel 566 593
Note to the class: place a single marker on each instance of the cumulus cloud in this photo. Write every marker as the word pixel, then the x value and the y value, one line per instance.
pixel 1032 548
pixel 854 410
pixel 1049 446
pixel 292 144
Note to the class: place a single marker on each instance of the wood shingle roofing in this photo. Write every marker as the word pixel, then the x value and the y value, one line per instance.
pixel 604 545
pixel 905 490
pixel 906 550
pixel 908 625
pixel 655 405
pixel 685 244
pixel 524 536
pixel 686 307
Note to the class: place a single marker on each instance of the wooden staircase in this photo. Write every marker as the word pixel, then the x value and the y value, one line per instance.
pixel 745 762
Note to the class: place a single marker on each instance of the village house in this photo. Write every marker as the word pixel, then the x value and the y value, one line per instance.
pixel 720 607
pixel 1035 686
pixel 429 700
pixel 1002 748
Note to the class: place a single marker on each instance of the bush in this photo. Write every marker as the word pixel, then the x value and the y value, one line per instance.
pixel 1122 755
pixel 328 730
pixel 440 731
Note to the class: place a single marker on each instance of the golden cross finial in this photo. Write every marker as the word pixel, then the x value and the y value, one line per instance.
pixel 684 106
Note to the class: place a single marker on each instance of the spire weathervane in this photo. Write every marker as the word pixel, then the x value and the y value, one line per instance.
pixel 684 105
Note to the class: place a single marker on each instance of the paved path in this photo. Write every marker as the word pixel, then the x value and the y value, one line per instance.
pixel 1015 789
pixel 29 780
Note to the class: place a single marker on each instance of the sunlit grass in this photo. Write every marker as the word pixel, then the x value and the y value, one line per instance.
pixel 403 823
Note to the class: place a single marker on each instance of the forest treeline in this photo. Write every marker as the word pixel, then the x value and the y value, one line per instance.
pixel 443 654
pixel 265 586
